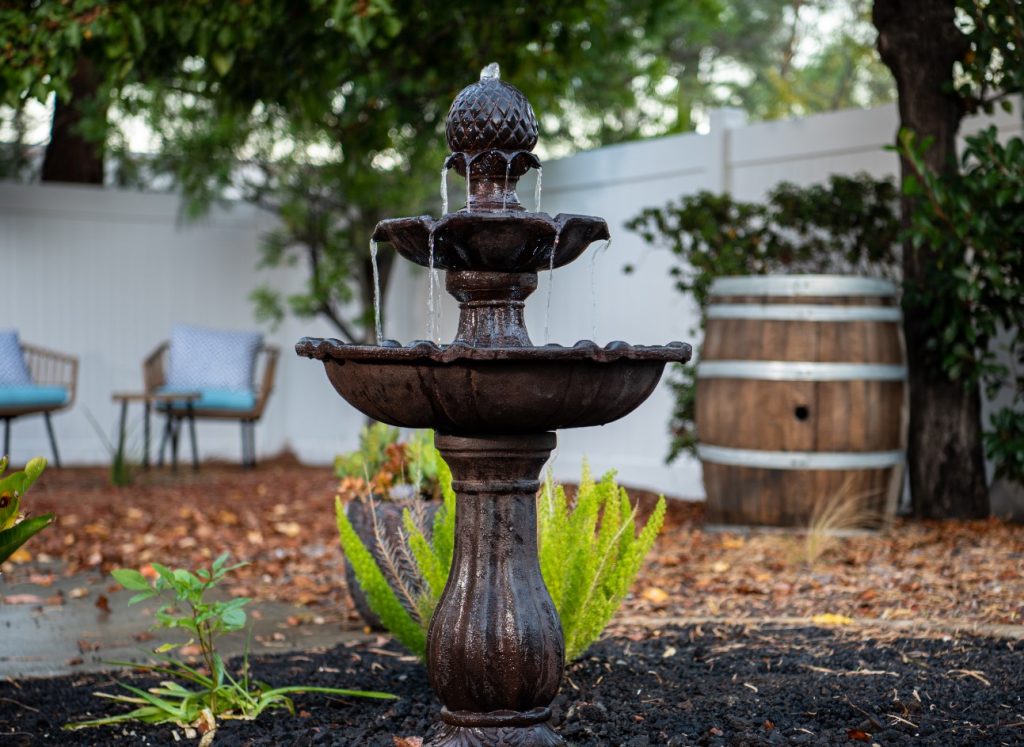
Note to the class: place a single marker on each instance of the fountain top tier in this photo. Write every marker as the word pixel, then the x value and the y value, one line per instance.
pixel 492 130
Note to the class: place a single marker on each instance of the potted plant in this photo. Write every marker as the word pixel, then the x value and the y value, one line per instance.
pixel 378 481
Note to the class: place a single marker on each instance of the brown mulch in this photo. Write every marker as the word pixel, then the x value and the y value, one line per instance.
pixel 280 519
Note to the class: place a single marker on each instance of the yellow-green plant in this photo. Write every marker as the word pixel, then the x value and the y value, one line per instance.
pixel 590 553
pixel 15 528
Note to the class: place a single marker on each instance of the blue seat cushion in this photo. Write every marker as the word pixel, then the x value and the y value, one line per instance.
pixel 32 396
pixel 213 399
pixel 213 359
pixel 13 371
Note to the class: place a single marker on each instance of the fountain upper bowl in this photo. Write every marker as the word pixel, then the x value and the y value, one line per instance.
pixel 466 390
pixel 504 241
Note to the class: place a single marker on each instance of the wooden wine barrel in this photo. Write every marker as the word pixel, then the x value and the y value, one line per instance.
pixel 801 399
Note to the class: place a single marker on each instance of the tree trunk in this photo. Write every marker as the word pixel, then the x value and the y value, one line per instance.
pixel 919 42
pixel 71 157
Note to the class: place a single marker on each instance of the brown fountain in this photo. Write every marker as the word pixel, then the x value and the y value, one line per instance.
pixel 495 651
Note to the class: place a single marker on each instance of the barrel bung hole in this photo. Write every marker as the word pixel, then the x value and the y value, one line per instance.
pixel 801 412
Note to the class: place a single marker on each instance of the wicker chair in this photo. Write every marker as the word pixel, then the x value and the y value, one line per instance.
pixel 154 369
pixel 50 371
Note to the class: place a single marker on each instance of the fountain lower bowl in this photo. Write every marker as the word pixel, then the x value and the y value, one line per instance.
pixel 466 390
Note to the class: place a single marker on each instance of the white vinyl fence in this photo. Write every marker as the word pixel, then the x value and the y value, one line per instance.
pixel 104 274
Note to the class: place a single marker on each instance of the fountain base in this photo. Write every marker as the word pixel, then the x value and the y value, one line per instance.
pixel 538 735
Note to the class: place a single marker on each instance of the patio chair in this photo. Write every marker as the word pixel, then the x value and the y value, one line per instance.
pixel 220 366
pixel 34 381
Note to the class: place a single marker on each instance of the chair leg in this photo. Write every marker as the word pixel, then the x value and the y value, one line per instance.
pixel 7 438
pixel 192 438
pixel 175 433
pixel 163 441
pixel 53 440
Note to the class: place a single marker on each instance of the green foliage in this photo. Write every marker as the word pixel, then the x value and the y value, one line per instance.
pixel 849 226
pixel 993 68
pixel 379 594
pixel 382 463
pixel 371 455
pixel 15 528
pixel 971 220
pixel 590 554
pixel 211 692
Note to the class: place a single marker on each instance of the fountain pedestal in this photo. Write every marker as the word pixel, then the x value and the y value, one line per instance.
pixel 494 650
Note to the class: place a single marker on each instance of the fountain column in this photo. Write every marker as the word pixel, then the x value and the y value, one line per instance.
pixel 494 650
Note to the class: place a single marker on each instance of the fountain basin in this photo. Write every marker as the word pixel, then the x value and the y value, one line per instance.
pixel 469 390
pixel 504 241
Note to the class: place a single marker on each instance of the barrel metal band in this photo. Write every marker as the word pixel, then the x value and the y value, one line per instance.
pixel 828 460
pixel 800 371
pixel 804 312
pixel 802 285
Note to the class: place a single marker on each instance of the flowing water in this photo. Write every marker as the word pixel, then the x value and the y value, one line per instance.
pixel 536 190
pixel 378 327
pixel 593 286
pixel 431 293
pixel 469 169
pixel 551 286
pixel 444 190
pixel 504 192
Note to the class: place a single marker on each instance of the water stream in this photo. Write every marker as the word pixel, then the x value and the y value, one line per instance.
pixel 432 325
pixel 444 190
pixel 504 191
pixel 593 286
pixel 378 327
pixel 536 190
pixel 551 286
pixel 469 169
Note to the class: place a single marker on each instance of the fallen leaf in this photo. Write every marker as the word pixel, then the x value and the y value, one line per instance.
pixel 830 618
pixel 668 652
pixel 102 603
pixel 408 741
pixel 23 599
pixel 655 594
pixel 78 592
pixel 21 555
pixel 720 566
pixel 857 734
pixel 288 528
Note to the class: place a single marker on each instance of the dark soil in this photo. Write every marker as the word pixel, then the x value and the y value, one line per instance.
pixel 689 686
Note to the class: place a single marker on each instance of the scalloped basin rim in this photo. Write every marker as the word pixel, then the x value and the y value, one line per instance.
pixel 326 349
pixel 458 216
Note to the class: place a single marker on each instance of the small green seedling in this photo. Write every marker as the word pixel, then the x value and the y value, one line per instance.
pixel 198 696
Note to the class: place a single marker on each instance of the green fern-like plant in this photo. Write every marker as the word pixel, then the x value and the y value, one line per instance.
pixel 590 553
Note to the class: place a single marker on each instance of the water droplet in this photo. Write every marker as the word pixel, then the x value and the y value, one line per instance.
pixel 491 72
pixel 551 286
pixel 378 327
pixel 536 190
pixel 444 190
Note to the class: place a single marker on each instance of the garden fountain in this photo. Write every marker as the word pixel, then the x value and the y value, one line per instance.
pixel 495 652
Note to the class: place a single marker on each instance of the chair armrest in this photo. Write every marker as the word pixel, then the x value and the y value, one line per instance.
pixel 270 355
pixel 154 374
pixel 48 367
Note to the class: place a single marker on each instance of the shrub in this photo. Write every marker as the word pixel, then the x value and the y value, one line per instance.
pixel 15 528
pixel 382 463
pixel 590 553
